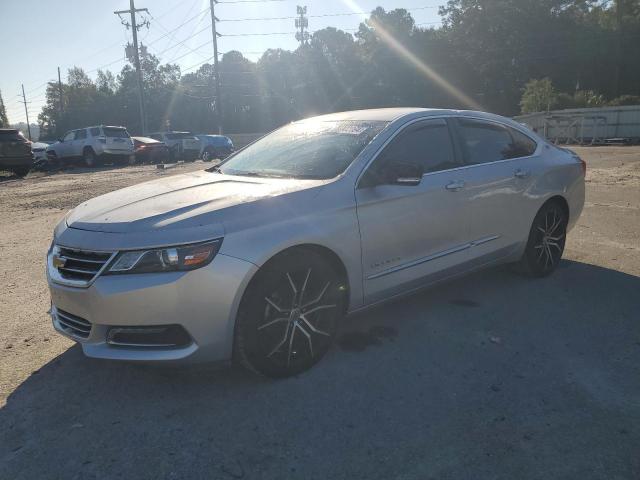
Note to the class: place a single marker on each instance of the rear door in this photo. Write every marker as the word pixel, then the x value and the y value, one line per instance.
pixel 501 164
pixel 409 232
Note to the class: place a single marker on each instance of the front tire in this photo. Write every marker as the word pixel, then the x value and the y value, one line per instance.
pixel 208 154
pixel 289 314
pixel 21 171
pixel 546 241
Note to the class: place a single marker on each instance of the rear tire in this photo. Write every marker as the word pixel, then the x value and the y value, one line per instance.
pixel 546 241
pixel 89 158
pixel 289 314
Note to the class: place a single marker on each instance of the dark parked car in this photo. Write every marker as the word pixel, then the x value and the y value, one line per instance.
pixel 182 145
pixel 15 152
pixel 148 150
pixel 215 146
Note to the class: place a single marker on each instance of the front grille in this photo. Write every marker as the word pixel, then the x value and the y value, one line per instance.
pixel 72 324
pixel 81 265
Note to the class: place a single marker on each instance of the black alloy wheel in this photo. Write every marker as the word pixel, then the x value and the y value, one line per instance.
pixel 289 315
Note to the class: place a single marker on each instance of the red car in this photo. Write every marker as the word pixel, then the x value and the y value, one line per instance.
pixel 148 150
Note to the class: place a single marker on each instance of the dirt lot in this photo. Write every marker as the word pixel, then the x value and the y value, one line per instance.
pixel 493 376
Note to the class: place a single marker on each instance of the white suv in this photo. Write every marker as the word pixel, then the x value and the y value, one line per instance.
pixel 94 145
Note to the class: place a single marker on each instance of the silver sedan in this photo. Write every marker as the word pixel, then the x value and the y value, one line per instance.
pixel 260 258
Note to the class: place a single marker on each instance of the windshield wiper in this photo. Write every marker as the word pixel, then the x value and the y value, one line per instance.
pixel 215 169
pixel 253 173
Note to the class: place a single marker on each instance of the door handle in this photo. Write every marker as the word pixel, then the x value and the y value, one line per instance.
pixel 454 186
pixel 521 173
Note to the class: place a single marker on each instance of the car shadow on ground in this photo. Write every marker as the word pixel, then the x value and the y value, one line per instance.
pixel 491 376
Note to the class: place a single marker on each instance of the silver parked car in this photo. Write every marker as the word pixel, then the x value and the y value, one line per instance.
pixel 260 258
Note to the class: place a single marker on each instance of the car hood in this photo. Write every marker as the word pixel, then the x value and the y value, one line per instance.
pixel 189 201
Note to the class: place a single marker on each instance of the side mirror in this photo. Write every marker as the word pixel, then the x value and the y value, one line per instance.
pixel 403 174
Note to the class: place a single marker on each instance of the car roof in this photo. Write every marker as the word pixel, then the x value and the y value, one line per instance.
pixel 104 126
pixel 391 114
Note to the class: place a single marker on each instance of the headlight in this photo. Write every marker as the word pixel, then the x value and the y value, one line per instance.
pixel 169 259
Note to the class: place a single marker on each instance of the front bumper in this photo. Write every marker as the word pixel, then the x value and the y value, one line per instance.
pixel 204 302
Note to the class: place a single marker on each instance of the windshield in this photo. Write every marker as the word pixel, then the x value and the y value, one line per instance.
pixel 308 149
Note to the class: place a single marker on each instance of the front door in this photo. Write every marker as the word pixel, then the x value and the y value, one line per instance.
pixel 411 230
pixel 79 142
pixel 65 147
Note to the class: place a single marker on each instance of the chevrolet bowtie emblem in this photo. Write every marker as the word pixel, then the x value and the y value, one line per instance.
pixel 59 262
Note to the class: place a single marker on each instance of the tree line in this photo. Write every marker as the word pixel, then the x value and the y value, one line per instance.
pixel 484 56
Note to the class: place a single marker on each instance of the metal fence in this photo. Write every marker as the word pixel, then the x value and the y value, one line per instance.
pixel 587 125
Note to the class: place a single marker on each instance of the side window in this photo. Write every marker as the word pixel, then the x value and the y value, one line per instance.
pixel 484 142
pixel 95 131
pixel 81 134
pixel 69 136
pixel 427 144
pixel 523 146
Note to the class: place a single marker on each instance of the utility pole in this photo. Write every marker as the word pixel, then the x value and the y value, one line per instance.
pixel 26 111
pixel 60 91
pixel 215 34
pixel 616 72
pixel 134 29
pixel 302 23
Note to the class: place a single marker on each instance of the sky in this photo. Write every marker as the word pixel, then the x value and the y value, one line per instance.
pixel 46 34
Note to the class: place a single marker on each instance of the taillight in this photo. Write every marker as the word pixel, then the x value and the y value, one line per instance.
pixel 584 166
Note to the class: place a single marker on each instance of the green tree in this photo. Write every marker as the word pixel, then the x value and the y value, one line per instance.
pixel 538 96
pixel 4 121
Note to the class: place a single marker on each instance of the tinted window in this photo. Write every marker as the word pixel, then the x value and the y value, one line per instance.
pixel 523 146
pixel 11 136
pixel 69 136
pixel 485 142
pixel 314 149
pixel 427 144
pixel 95 132
pixel 81 134
pixel 488 142
pixel 115 132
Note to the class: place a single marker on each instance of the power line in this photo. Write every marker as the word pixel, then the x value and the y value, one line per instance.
pixel 324 15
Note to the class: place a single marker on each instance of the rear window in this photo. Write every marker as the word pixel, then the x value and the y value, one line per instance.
pixel 115 132
pixel 178 136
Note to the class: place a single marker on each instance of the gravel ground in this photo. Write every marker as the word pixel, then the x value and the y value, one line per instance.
pixel 492 376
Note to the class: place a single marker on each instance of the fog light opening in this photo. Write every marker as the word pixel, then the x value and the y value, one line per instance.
pixel 162 336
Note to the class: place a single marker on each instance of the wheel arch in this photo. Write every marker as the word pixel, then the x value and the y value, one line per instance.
pixel 88 148
pixel 324 251
pixel 331 256
pixel 560 200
